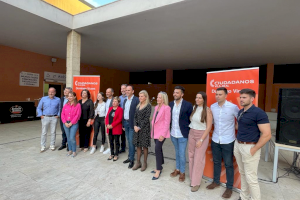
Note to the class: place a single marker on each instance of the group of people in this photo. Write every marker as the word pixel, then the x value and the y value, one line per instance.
pixel 128 117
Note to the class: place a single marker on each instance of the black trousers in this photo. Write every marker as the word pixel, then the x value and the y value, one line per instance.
pixel 123 140
pixel 64 136
pixel 114 139
pixel 84 133
pixel 159 154
pixel 99 123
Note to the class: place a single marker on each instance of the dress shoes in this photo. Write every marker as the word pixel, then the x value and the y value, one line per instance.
pixel 126 161
pixel 130 164
pixel 62 147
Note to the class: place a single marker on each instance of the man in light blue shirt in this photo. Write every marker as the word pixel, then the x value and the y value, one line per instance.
pixel 222 144
pixel 49 111
pixel 123 97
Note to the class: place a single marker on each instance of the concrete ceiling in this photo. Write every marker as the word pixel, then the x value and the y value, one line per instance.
pixel 23 30
pixel 187 35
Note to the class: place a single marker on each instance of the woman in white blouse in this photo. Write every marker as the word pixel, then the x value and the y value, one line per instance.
pixel 99 122
pixel 200 126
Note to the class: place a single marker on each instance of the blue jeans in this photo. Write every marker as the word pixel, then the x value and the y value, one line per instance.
pixel 180 148
pixel 71 134
pixel 224 151
pixel 129 137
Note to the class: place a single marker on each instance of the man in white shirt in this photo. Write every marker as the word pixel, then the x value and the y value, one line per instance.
pixel 108 103
pixel 129 107
pixel 222 144
pixel 180 119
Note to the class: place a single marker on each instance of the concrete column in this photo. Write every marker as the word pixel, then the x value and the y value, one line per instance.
pixel 73 57
pixel 169 82
pixel 269 87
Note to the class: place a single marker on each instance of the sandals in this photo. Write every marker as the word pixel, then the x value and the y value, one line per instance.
pixel 85 150
pixel 115 158
pixel 110 157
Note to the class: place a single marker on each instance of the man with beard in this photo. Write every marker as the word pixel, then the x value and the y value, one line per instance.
pixel 254 131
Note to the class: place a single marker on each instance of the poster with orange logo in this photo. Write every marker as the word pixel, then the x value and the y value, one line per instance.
pixel 234 81
pixel 92 83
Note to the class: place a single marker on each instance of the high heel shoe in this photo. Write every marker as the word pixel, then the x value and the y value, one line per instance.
pixel 153 171
pixel 154 178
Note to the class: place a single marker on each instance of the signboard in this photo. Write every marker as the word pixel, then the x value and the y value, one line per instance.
pixel 91 83
pixel 17 111
pixel 55 77
pixel 29 79
pixel 233 81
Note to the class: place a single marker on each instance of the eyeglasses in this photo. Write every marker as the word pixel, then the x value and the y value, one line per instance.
pixel 240 116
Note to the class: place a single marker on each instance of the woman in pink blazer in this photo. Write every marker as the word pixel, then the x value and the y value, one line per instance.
pixel 160 129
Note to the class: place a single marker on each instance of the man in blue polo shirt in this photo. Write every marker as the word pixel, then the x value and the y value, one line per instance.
pixel 254 131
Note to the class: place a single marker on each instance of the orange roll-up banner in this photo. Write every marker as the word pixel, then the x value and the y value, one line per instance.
pixel 234 81
pixel 92 83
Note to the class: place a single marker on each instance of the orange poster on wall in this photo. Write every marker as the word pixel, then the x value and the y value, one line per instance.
pixel 92 83
pixel 234 81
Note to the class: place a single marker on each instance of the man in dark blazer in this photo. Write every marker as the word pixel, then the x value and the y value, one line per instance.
pixel 129 106
pixel 180 120
pixel 63 101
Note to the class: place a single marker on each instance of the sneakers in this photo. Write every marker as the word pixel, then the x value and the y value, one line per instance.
pixel 52 147
pixel 43 149
pixel 93 150
pixel 101 149
pixel 107 151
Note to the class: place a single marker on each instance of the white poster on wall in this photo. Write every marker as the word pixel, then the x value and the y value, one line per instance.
pixel 29 79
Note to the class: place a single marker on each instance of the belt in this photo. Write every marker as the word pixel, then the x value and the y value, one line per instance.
pixel 246 142
pixel 50 115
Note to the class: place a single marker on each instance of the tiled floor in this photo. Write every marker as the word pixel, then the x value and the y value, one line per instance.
pixel 25 173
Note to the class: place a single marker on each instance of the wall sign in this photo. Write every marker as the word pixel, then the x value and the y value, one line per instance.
pixel 29 79
pixel 57 77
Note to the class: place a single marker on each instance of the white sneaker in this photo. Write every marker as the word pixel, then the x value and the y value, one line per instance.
pixel 93 150
pixel 107 151
pixel 102 148
pixel 43 149
pixel 52 147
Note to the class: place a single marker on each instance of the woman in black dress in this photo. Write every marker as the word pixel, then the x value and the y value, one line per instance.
pixel 87 114
pixel 141 136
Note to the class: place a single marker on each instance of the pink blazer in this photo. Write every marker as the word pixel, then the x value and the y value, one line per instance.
pixel 161 125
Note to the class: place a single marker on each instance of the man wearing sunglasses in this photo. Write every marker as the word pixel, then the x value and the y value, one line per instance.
pixel 254 131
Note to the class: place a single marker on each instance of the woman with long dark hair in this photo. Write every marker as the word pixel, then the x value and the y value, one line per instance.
pixel 87 114
pixel 200 126
pixel 70 115
pixel 99 122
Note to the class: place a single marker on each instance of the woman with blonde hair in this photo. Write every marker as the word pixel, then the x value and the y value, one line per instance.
pixel 160 129
pixel 141 135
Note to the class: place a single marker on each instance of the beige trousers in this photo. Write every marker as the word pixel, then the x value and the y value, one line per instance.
pixel 248 166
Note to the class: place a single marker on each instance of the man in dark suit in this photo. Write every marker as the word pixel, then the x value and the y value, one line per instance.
pixel 180 120
pixel 129 106
pixel 63 101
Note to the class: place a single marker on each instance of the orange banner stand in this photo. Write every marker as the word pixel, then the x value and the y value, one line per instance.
pixel 92 83
pixel 234 81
